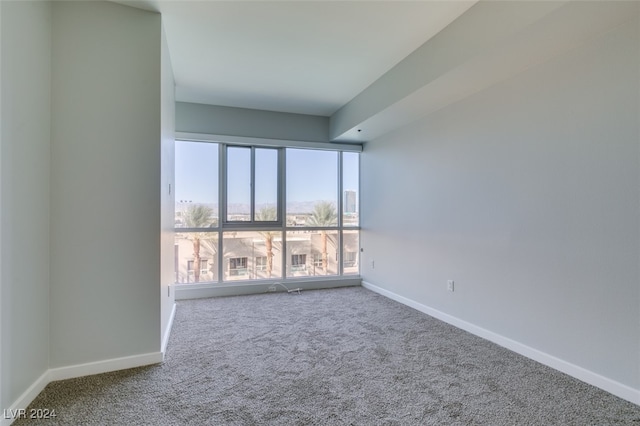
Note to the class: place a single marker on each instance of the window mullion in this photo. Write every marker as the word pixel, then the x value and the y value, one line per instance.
pixel 280 206
pixel 283 209
pixel 340 210
pixel 222 208
pixel 252 208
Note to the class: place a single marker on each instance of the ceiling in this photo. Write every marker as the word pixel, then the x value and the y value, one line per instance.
pixel 308 57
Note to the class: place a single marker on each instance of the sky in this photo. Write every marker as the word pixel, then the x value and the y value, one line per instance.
pixel 311 174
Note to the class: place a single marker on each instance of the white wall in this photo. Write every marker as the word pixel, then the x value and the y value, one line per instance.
pixel 25 120
pixel 475 34
pixel 105 178
pixel 167 191
pixel 526 194
pixel 228 121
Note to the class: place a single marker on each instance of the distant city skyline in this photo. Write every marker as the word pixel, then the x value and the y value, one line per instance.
pixel 350 205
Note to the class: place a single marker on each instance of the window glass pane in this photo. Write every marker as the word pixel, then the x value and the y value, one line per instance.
pixel 191 248
pixel 312 187
pixel 238 184
pixel 266 181
pixel 196 186
pixel 204 266
pixel 350 186
pixel 312 253
pixel 247 254
pixel 351 252
pixel 261 263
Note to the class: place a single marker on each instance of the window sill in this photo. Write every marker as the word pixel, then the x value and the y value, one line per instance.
pixel 237 288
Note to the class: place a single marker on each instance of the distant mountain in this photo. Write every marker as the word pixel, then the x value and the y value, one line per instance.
pixel 296 207
pixel 300 207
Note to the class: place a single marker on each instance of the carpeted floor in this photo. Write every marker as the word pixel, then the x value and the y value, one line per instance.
pixel 329 357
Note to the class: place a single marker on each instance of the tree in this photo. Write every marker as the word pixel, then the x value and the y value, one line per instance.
pixel 197 216
pixel 268 214
pixel 324 214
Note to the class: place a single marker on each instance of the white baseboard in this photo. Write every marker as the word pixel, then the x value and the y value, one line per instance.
pixel 25 399
pixel 105 366
pixel 241 288
pixel 167 332
pixel 74 371
pixel 616 388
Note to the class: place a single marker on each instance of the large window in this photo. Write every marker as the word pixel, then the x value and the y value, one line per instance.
pixel 264 213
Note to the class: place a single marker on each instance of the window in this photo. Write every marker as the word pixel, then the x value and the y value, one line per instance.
pixel 312 188
pixel 257 246
pixel 351 251
pixel 298 262
pixel 349 259
pixel 266 183
pixel 323 244
pixel 203 267
pixel 191 272
pixel 252 212
pixel 252 185
pixel 238 266
pixel 196 186
pixel 238 203
pixel 350 188
pixel 261 263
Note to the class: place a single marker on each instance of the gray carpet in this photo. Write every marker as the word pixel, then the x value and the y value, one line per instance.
pixel 328 357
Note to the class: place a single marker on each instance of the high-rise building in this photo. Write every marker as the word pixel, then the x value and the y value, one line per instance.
pixel 350 201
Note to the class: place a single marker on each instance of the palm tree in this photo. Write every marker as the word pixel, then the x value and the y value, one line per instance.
pixel 197 216
pixel 268 214
pixel 324 214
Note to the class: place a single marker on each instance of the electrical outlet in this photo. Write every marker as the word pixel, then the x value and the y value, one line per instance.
pixel 450 285
pixel 272 288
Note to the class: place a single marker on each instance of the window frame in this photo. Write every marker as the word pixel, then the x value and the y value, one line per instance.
pixel 191 270
pixel 205 270
pixel 316 260
pixel 352 261
pixel 245 269
pixel 223 225
pixel 223 188
pixel 299 267
pixel 259 266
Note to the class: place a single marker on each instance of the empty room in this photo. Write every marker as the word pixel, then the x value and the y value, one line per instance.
pixel 319 212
